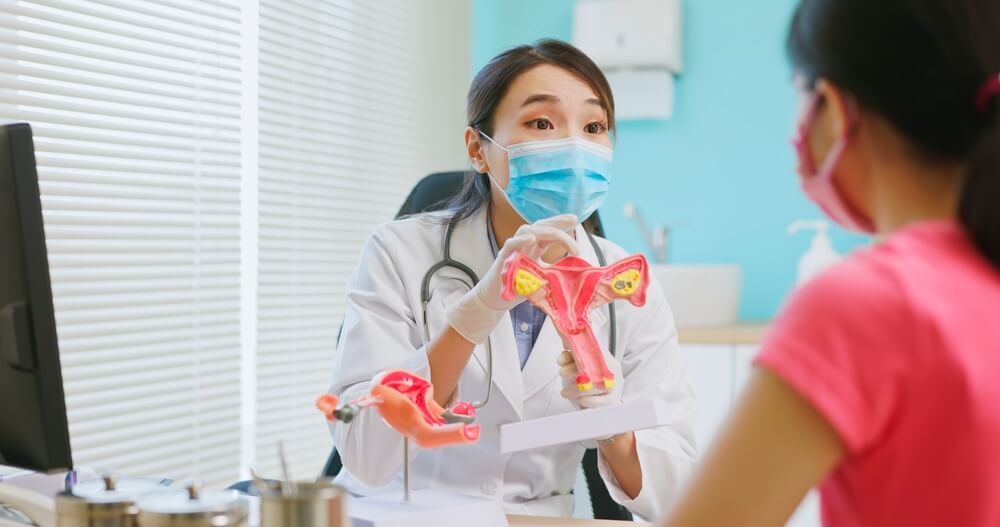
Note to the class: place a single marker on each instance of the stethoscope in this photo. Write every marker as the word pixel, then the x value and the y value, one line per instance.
pixel 447 261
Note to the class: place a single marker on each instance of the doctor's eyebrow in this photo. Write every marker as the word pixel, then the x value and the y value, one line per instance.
pixel 540 97
pixel 549 98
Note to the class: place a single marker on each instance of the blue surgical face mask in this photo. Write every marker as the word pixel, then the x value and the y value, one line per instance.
pixel 562 176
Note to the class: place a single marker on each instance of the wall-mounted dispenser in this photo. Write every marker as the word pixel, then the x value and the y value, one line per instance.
pixel 638 45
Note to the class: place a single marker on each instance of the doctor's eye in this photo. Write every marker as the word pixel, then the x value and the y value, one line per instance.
pixel 541 124
pixel 596 128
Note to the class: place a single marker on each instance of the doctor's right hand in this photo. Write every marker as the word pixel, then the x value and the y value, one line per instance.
pixel 476 314
pixel 593 398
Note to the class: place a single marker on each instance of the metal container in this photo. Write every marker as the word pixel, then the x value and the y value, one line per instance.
pixel 107 502
pixel 302 504
pixel 193 508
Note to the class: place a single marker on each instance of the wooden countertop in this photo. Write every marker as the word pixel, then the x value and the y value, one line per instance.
pixel 542 521
pixel 748 333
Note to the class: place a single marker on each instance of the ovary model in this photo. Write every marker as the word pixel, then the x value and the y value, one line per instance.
pixel 567 291
pixel 406 403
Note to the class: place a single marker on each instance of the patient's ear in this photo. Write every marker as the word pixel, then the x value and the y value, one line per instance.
pixel 833 118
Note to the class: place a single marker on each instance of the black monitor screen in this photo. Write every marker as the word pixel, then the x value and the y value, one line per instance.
pixel 33 430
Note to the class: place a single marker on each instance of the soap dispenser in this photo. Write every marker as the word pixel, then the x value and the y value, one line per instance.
pixel 821 254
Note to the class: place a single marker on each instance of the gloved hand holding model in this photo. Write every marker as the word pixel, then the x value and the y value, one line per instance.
pixel 596 397
pixel 480 310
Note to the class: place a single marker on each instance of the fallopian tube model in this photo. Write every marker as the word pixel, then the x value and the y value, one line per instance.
pixel 567 291
pixel 406 403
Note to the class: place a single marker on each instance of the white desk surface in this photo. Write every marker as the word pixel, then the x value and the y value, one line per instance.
pixel 542 521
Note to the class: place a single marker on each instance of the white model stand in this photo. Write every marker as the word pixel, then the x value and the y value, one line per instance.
pixel 594 423
pixel 424 508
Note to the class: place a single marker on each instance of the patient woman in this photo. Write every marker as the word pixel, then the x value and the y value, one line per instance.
pixel 881 381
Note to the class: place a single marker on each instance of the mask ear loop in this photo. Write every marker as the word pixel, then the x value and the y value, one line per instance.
pixel 490 139
pixel 801 138
pixel 501 147
pixel 490 173
pixel 851 114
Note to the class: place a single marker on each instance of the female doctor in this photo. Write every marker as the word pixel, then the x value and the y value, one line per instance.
pixel 540 119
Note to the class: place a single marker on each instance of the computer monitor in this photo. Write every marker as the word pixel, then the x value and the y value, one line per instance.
pixel 33 430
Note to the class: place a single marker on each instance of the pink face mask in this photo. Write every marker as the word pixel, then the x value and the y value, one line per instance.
pixel 818 183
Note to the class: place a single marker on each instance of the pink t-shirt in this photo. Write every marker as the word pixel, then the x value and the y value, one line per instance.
pixel 899 348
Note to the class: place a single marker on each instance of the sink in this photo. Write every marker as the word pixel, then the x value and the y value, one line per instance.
pixel 701 295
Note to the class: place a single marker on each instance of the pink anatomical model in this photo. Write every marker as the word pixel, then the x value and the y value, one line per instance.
pixel 567 291
pixel 406 403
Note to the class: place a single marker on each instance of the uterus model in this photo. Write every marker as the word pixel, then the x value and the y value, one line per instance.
pixel 406 403
pixel 567 291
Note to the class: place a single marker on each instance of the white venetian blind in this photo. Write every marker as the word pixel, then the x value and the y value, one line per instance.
pixel 135 108
pixel 358 100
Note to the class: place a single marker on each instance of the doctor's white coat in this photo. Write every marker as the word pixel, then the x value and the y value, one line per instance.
pixel 383 329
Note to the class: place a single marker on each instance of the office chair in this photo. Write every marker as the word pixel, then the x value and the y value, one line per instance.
pixel 431 194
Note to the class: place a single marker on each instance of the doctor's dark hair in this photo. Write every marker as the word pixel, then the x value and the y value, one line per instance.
pixel 919 64
pixel 491 84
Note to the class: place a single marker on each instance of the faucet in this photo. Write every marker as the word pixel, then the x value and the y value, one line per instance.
pixel 656 240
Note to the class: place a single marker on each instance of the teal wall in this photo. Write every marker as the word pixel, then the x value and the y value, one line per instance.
pixel 721 171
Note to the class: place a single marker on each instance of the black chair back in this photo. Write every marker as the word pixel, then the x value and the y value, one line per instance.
pixel 432 193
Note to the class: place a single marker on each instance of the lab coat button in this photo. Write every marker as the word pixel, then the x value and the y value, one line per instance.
pixel 489 488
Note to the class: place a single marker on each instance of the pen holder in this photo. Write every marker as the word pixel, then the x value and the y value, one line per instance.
pixel 302 504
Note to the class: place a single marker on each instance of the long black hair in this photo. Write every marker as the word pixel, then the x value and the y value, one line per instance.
pixel 920 65
pixel 489 88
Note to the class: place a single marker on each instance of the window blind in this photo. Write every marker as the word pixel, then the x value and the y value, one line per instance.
pixel 193 341
pixel 135 110
pixel 354 109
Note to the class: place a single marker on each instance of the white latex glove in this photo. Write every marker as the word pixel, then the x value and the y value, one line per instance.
pixel 592 398
pixel 476 314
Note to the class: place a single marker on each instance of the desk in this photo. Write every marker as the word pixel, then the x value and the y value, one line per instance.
pixel 543 521
pixel 750 333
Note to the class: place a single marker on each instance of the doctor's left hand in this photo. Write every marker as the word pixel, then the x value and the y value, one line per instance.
pixel 592 398
pixel 479 311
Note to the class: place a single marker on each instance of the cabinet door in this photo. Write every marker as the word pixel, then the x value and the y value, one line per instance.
pixel 709 369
